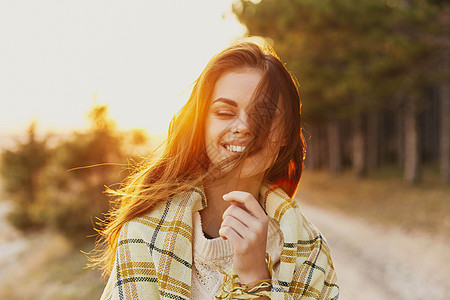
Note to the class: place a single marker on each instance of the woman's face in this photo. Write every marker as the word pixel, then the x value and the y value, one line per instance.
pixel 227 132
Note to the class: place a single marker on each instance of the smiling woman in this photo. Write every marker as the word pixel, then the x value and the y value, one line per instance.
pixel 213 217
pixel 223 111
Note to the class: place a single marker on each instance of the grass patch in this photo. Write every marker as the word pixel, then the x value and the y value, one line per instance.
pixel 383 197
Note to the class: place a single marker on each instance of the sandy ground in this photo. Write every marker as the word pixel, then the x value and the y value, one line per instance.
pixel 23 260
pixel 12 242
pixel 374 262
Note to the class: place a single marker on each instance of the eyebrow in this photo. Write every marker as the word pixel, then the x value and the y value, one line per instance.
pixel 226 100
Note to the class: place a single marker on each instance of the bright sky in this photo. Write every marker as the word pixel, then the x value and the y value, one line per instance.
pixel 136 56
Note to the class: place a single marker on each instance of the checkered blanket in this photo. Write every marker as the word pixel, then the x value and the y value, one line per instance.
pixel 154 252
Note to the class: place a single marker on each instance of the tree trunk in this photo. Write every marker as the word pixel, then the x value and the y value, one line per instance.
pixel 312 147
pixel 412 163
pixel 445 123
pixel 334 147
pixel 322 145
pixel 317 151
pixel 358 147
pixel 372 141
pixel 400 134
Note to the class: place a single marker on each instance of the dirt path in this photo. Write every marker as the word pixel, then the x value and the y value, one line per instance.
pixel 42 265
pixel 377 263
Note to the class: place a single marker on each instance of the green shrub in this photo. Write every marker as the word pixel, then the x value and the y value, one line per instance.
pixel 21 171
pixel 63 186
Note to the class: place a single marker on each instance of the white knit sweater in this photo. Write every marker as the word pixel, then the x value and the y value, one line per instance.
pixel 211 255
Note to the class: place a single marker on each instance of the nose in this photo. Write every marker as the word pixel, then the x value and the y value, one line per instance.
pixel 240 125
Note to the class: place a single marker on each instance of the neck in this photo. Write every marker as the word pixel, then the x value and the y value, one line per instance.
pixel 212 214
pixel 216 190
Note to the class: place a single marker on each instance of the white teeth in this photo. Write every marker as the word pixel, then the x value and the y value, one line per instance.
pixel 235 148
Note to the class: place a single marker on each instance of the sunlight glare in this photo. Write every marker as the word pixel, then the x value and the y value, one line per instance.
pixel 140 59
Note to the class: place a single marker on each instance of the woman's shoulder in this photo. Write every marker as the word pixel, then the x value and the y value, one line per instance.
pixel 139 227
pixel 288 213
pixel 277 203
pixel 163 213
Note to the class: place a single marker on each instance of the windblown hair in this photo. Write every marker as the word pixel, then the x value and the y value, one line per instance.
pixel 184 163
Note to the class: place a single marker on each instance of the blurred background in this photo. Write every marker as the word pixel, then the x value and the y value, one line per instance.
pixel 88 88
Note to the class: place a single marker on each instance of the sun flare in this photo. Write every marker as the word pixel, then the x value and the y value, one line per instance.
pixel 138 59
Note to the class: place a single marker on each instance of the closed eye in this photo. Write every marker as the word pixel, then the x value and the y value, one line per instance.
pixel 224 114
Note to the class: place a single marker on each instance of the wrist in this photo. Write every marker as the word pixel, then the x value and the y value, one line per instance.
pixel 254 275
pixel 261 286
pixel 260 271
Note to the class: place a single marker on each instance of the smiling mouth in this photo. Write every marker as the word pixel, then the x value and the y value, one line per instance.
pixel 234 148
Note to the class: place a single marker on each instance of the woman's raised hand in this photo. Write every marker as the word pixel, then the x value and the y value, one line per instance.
pixel 245 225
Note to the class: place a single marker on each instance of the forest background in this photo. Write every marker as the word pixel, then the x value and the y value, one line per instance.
pixel 374 80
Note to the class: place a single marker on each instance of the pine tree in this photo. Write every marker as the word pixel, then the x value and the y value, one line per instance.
pixel 354 58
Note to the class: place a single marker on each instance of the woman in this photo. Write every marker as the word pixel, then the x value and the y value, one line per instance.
pixel 214 215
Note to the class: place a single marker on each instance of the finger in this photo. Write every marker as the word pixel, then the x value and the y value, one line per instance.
pixel 254 228
pixel 235 239
pixel 238 226
pixel 249 202
pixel 242 215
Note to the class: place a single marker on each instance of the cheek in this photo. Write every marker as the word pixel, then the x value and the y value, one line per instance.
pixel 213 132
pixel 271 149
pixel 215 129
pixel 271 152
pixel 264 159
pixel 210 128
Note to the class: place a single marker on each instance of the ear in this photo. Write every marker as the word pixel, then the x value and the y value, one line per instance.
pixel 284 142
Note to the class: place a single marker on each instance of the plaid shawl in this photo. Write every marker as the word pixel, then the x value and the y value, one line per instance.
pixel 154 252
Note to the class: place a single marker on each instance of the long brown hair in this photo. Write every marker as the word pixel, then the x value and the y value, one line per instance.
pixel 184 163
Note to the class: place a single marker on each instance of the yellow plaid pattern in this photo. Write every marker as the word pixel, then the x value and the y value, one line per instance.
pixel 154 252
